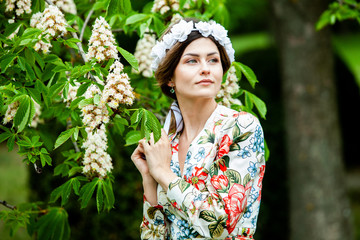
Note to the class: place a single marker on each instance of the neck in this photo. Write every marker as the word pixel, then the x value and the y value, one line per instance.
pixel 195 113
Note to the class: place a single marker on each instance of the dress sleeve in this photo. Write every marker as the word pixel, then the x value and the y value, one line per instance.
pixel 232 181
pixel 154 224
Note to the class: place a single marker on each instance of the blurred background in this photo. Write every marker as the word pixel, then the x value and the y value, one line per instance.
pixel 307 125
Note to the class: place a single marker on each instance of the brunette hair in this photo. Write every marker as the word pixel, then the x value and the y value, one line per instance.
pixel 167 66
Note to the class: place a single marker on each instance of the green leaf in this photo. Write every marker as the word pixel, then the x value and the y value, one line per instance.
pixel 85 102
pixel 11 142
pixel 35 94
pixel 248 73
pixel 4 136
pixel 259 104
pixel 6 61
pixel 97 99
pixel 114 7
pixel 108 194
pixel 87 192
pixel 129 58
pixel 62 169
pixel 267 151
pixel 136 18
pixel 54 225
pixel 29 71
pixel 22 62
pixel 71 44
pixel 37 6
pixel 70 29
pixel 136 117
pixel 102 4
pixel 56 88
pixel 132 137
pixel 75 170
pixel 45 159
pixel 118 6
pixel 21 118
pixel 14 220
pixel 63 137
pixel 31 33
pixel 99 196
pixel 152 124
pixel 119 124
pixel 12 28
pixel 348 49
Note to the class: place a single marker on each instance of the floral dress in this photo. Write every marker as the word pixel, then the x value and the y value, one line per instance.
pixel 218 194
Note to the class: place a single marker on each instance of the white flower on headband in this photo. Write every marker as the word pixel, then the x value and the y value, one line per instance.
pixel 219 33
pixel 204 28
pixel 180 32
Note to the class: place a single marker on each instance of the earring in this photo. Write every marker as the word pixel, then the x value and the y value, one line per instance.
pixel 172 90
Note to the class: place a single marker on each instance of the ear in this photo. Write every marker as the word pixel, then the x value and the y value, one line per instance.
pixel 171 83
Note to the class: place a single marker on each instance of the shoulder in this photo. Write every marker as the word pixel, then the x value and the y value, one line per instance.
pixel 233 119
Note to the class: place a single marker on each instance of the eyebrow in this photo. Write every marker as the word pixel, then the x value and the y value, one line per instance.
pixel 197 55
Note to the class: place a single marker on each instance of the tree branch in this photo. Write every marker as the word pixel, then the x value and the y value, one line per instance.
pixel 85 23
pixel 7 205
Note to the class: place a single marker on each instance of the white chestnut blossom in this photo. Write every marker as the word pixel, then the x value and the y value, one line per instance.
pixel 10 112
pixel 117 89
pixel 228 89
pixel 176 18
pixel 12 109
pixel 97 162
pixel 35 20
pixel 142 54
pixel 102 45
pixel 52 23
pixel 20 6
pixel 164 6
pixel 94 115
pixel 66 5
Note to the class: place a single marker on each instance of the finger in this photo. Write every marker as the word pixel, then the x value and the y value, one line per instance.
pixel 152 140
pixel 145 145
pixel 164 134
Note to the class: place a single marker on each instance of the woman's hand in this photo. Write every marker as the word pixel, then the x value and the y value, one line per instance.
pixel 138 158
pixel 158 158
pixel 149 183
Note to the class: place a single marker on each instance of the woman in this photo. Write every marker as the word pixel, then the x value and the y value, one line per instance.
pixel 203 178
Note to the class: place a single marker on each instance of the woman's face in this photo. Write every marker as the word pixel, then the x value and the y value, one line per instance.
pixel 199 72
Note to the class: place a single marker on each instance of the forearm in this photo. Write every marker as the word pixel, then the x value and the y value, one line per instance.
pixel 165 177
pixel 150 192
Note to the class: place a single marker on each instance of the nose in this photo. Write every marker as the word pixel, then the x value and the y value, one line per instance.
pixel 204 68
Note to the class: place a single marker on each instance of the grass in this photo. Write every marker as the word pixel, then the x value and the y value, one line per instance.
pixel 13 187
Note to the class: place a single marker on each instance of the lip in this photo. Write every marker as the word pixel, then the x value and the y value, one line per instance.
pixel 205 82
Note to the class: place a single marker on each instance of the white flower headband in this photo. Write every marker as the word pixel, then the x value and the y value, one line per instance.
pixel 179 33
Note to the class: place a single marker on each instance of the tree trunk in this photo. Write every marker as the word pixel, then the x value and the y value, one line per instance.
pixel 319 206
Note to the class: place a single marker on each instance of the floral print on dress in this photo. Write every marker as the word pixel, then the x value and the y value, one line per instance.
pixel 218 194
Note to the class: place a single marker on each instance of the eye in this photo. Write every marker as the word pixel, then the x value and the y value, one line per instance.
pixel 214 60
pixel 191 61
